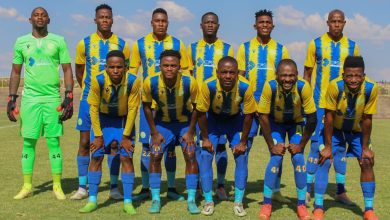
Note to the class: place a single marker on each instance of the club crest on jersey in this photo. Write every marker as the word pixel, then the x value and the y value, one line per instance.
pixel 168 46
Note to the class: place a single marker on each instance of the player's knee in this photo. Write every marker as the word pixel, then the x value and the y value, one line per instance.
pixel 127 164
pixel 96 163
pixel 155 159
pixel 190 157
pixel 366 164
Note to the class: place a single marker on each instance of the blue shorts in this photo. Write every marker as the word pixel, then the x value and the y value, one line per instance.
pixel 279 131
pixel 112 128
pixel 220 126
pixel 340 139
pixel 144 130
pixel 320 124
pixel 84 118
pixel 172 133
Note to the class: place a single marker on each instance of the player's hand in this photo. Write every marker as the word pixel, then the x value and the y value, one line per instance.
pixel 325 153
pixel 278 149
pixel 128 145
pixel 367 154
pixel 239 148
pixel 96 144
pixel 189 143
pixel 66 106
pixel 294 149
pixel 157 140
pixel 206 144
pixel 12 109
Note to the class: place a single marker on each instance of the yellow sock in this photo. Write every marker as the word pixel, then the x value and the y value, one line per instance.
pixel 56 179
pixel 27 180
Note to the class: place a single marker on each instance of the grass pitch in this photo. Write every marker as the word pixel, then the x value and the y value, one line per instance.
pixel 44 206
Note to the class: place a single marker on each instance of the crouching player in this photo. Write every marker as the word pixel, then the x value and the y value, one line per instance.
pixel 175 95
pixel 281 109
pixel 221 97
pixel 350 104
pixel 114 99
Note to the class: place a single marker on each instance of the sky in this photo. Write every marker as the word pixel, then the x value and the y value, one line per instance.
pixel 296 23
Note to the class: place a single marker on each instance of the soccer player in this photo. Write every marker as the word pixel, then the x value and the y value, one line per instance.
pixel 90 60
pixel 221 98
pixel 146 53
pixel 283 102
pixel 203 59
pixel 257 61
pixel 174 123
pixel 114 98
pixel 324 62
pixel 41 109
pixel 350 102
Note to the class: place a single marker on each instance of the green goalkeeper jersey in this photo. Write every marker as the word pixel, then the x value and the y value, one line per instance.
pixel 41 58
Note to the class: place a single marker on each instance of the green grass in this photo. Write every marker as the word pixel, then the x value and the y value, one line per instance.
pixel 43 205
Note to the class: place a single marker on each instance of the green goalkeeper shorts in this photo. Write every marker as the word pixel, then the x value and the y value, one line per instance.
pixel 38 119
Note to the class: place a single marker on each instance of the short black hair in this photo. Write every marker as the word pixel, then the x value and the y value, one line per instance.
pixel 286 62
pixel 264 12
pixel 103 6
pixel 209 13
pixel 160 10
pixel 170 53
pixel 353 62
pixel 115 53
pixel 226 59
pixel 39 7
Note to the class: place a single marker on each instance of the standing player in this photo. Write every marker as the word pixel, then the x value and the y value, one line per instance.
pixel 324 62
pixel 350 103
pixel 114 99
pixel 90 60
pixel 257 61
pixel 221 98
pixel 174 123
pixel 146 53
pixel 281 107
pixel 203 59
pixel 41 53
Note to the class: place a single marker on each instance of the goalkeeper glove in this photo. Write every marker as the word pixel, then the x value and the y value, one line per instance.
pixel 66 106
pixel 12 109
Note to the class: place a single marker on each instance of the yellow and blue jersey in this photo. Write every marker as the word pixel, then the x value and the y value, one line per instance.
pixel 326 57
pixel 259 61
pixel 203 58
pixel 212 98
pixel 174 104
pixel 146 52
pixel 349 107
pixel 284 107
pixel 92 51
pixel 114 100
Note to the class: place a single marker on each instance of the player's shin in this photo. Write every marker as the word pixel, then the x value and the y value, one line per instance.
pixel 28 159
pixel 271 175
pixel 206 174
pixel 311 164
pixel 240 176
pixel 298 161
pixel 321 184
pixel 145 160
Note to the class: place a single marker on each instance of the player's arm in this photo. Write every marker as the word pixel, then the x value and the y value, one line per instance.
pixel 14 81
pixel 94 99
pixel 202 106
pixel 310 61
pixel 133 102
pixel 190 61
pixel 241 60
pixel 80 62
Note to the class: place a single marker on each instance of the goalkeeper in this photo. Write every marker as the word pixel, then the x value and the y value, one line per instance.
pixel 41 112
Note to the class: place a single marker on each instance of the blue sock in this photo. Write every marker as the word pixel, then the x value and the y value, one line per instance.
pixel 221 158
pixel 267 195
pixel 298 161
pixel 272 172
pixel 318 201
pixel 312 158
pixel 145 160
pixel 171 179
pixel 128 182
pixel 82 168
pixel 309 181
pixel 113 165
pixel 278 179
pixel 241 171
pixel 340 181
pixel 238 195
pixel 301 195
pixel 208 196
pixel 191 181
pixel 170 165
pixel 368 189
pixel 191 194
pixel 94 181
pixel 206 171
pixel 155 184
